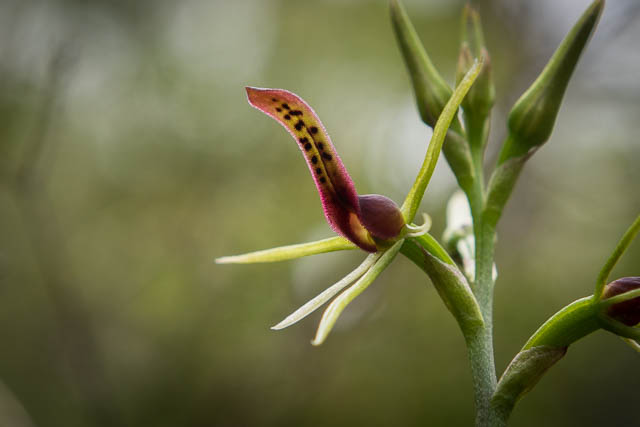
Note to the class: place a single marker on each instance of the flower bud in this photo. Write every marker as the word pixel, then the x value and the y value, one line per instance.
pixel 481 96
pixel 532 118
pixel 627 312
pixel 380 216
pixel 431 90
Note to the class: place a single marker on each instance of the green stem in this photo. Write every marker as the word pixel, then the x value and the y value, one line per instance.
pixel 480 341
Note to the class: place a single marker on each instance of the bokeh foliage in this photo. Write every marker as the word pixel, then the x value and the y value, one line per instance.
pixel 129 160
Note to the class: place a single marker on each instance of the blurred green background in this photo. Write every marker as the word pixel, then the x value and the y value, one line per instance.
pixel 130 159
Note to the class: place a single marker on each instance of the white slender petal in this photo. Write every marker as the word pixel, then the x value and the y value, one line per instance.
pixel 328 293
pixel 334 309
pixel 632 343
pixel 458 212
pixel 460 231
pixel 284 253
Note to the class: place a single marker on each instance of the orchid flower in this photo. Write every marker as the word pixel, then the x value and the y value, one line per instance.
pixel 371 222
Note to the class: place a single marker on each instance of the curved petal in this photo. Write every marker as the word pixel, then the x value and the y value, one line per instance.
pixel 337 192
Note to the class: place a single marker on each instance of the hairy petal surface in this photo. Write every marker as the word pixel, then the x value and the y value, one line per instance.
pixel 336 189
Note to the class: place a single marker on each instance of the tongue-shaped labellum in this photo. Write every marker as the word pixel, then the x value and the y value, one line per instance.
pixel 337 192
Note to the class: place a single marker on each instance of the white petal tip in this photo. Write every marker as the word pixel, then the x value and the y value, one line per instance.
pixel 321 335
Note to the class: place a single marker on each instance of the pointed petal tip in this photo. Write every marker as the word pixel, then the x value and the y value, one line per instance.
pixel 283 324
pixel 323 332
pixel 280 326
pixel 252 93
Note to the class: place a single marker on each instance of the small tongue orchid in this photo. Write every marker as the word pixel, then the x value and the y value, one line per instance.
pixel 371 222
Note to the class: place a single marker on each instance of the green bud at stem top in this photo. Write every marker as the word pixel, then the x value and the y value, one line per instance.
pixel 532 118
pixel 481 96
pixel 431 90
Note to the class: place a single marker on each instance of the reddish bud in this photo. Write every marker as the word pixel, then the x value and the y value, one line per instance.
pixel 380 216
pixel 627 312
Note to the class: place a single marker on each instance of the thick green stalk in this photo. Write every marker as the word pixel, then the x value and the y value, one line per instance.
pixel 480 342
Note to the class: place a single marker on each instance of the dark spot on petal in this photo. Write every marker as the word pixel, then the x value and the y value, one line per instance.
pixel 286 106
pixel 307 146
pixel 323 179
pixel 319 171
pixel 299 125
pixel 296 113
pixel 313 129
pixel 278 109
pixel 274 99
pixel 314 160
pixel 320 146
pixel 304 139
pixel 326 156
pixel 287 117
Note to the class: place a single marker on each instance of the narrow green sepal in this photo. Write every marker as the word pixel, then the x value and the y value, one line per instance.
pixel 413 199
pixel 523 373
pixel 431 91
pixel 532 118
pixel 284 253
pixel 617 253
